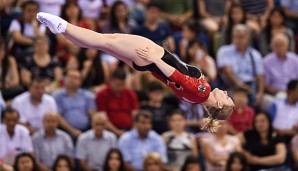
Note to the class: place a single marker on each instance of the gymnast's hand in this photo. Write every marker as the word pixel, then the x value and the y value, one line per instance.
pixel 147 54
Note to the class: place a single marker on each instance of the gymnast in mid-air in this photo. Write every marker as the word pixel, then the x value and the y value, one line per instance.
pixel 142 54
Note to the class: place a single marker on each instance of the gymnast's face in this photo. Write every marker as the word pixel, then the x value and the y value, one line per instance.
pixel 222 98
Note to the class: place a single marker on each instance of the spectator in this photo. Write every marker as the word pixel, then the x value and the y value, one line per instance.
pixel 237 162
pixel 25 30
pixel 119 102
pixel 236 15
pixel 119 21
pixel 197 55
pixel 25 162
pixel 180 144
pixel 14 138
pixel 63 163
pixel 291 11
pixel 10 81
pixel 40 64
pixel 153 29
pixel 217 148
pixel 191 163
pixel 75 105
pixel 94 70
pixel 242 116
pixel 93 145
pixel 140 141
pixel 241 65
pixel 153 162
pixel 157 107
pixel 50 142
pixel 114 161
pixel 50 6
pixel 284 112
pixel 281 66
pixel 275 25
pixel 263 148
pixel 294 148
pixel 33 104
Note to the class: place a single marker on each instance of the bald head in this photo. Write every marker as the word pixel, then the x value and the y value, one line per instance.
pixel 99 121
pixel 50 122
pixel 280 44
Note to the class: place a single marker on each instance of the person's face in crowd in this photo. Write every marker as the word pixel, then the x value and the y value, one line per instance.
pixel 240 40
pixel 156 95
pixel 41 46
pixel 10 120
pixel 280 45
pixel 276 19
pixel 143 125
pixel 117 85
pixel 196 52
pixel 187 33
pixel 177 122
pixel 37 89
pixel 91 54
pixel 30 12
pixel 25 164
pixel 237 15
pixel 193 167
pixel 121 12
pixel 240 99
pixel 153 165
pixel 114 161
pixel 63 166
pixel 50 122
pixel 98 124
pixel 72 11
pixel 236 165
pixel 152 14
pixel 261 123
pixel 73 80
pixel 222 97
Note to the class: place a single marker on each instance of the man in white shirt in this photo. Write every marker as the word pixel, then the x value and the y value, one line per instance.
pixel 14 138
pixel 33 104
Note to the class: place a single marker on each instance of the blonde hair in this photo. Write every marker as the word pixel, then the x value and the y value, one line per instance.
pixel 211 123
pixel 156 158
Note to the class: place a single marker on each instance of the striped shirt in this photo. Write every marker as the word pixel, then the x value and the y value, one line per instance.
pixel 255 7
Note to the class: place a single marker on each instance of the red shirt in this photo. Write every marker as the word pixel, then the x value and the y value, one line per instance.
pixel 242 121
pixel 186 88
pixel 118 108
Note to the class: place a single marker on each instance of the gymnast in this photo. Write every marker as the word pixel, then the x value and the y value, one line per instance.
pixel 186 81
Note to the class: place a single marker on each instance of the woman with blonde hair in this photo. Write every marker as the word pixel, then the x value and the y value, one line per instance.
pixel 153 162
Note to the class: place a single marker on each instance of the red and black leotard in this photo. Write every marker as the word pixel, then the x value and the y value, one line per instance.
pixel 187 81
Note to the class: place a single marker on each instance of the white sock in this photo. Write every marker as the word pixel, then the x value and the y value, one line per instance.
pixel 54 23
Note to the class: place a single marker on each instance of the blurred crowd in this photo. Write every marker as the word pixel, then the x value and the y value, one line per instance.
pixel 66 108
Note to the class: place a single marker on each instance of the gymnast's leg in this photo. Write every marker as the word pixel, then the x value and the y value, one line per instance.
pixel 121 46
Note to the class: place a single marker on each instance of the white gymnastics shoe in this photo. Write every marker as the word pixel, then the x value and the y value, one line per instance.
pixel 54 23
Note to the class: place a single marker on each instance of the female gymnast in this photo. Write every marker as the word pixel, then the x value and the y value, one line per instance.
pixel 142 54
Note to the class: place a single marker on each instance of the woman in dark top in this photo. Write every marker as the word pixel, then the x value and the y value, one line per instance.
pixel 263 148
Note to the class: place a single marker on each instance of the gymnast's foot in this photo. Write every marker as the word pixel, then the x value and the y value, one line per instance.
pixel 54 23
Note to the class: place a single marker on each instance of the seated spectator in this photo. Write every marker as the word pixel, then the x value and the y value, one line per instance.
pixel 197 55
pixel 284 112
pixel 241 65
pixel 242 116
pixel 119 102
pixel 275 25
pixel 281 66
pixel 180 144
pixel 153 29
pixel 75 105
pixel 191 163
pixel 40 64
pixel 114 161
pixel 24 30
pixel 94 70
pixel 157 107
pixel 236 15
pixel 50 142
pixel 140 141
pixel 10 81
pixel 291 12
pixel 25 162
pixel 93 145
pixel 294 148
pixel 218 147
pixel 63 163
pixel 264 149
pixel 119 21
pixel 33 104
pixel 237 162
pixel 14 138
pixel 50 6
pixel 153 162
